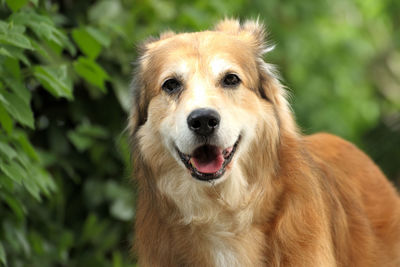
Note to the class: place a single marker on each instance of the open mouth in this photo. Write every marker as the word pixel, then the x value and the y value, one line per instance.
pixel 208 162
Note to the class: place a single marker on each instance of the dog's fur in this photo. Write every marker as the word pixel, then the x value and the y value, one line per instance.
pixel 285 199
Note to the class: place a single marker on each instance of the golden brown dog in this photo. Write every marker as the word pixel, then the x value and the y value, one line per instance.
pixel 226 179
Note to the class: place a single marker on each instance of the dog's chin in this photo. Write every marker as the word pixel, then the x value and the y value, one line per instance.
pixel 208 162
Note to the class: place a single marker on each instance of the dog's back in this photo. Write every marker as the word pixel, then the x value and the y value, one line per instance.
pixel 358 190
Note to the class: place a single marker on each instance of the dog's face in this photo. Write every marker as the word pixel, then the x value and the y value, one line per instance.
pixel 200 99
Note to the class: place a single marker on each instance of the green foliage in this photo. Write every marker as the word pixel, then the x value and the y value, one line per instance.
pixel 65 69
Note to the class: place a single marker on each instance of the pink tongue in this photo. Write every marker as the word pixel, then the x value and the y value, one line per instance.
pixel 210 166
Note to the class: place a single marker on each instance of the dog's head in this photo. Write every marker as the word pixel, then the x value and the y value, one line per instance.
pixel 201 100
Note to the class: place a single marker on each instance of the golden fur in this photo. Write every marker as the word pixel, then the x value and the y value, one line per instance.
pixel 285 200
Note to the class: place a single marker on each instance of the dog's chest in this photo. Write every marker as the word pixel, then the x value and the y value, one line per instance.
pixel 225 257
pixel 230 249
pixel 223 251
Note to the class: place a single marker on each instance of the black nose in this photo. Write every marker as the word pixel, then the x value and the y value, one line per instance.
pixel 203 121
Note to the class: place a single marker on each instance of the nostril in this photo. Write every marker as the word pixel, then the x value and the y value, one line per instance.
pixel 195 124
pixel 213 123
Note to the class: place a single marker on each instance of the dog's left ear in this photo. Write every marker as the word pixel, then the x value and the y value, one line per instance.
pixel 252 31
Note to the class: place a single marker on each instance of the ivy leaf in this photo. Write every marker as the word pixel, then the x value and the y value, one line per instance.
pixel 90 71
pixel 55 80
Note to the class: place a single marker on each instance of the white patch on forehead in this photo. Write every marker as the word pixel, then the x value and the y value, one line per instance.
pixel 219 65
pixel 180 69
pixel 199 93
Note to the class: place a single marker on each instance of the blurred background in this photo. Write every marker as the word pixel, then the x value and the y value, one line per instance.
pixel 66 197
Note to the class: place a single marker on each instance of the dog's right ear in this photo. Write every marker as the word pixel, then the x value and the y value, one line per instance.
pixel 138 115
pixel 152 41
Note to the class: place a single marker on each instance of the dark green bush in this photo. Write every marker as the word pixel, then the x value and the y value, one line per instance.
pixel 65 66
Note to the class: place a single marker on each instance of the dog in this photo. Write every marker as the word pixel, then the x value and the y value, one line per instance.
pixel 225 178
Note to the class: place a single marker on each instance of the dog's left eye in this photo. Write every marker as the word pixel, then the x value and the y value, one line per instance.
pixel 230 80
pixel 171 86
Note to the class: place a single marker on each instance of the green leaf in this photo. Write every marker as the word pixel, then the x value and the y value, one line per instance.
pixel 105 11
pixel 85 135
pixel 13 170
pixel 3 258
pixel 5 52
pixel 92 130
pixel 5 120
pixel 117 259
pixel 18 88
pixel 91 228
pixel 55 80
pixel 12 67
pixel 36 242
pixel 91 72
pixel 32 187
pixel 7 151
pixel 99 35
pixel 16 39
pixel 26 145
pixel 15 204
pixel 6 183
pixel 44 28
pixel 42 179
pixel 80 141
pixel 17 108
pixel 15 5
pixel 17 53
pixel 11 27
pixel 86 42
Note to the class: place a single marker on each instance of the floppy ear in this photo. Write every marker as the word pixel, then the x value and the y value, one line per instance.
pixel 138 115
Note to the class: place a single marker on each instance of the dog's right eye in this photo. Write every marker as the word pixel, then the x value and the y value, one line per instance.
pixel 171 86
